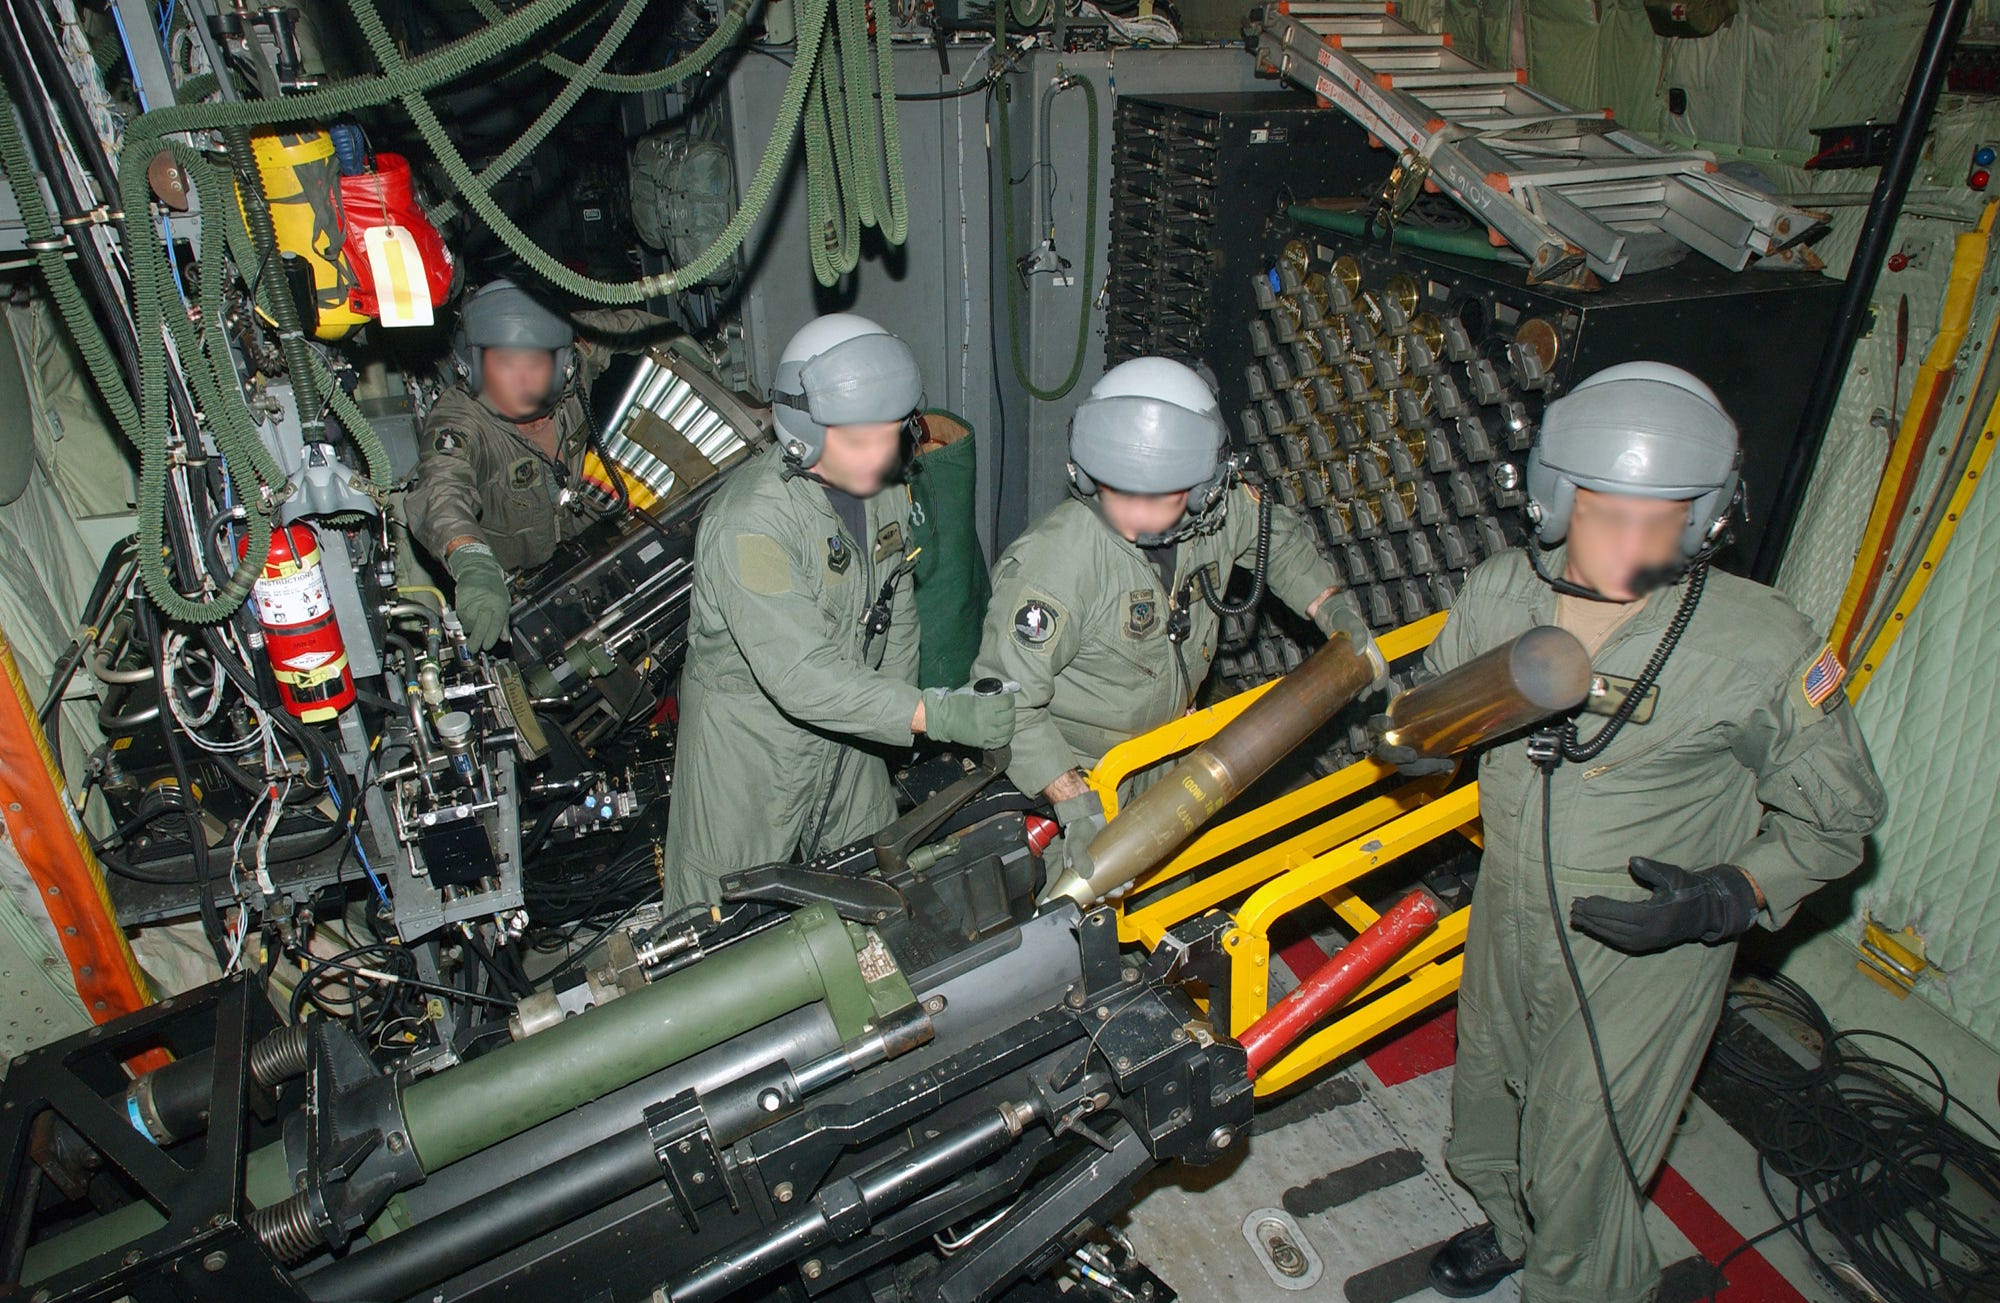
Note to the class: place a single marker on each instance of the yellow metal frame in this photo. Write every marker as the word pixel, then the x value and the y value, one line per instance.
pixel 1968 480
pixel 1336 844
pixel 1968 265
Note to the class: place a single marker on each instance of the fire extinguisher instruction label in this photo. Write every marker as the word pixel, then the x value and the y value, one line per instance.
pixel 292 600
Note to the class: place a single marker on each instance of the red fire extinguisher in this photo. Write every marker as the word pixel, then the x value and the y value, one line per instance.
pixel 301 636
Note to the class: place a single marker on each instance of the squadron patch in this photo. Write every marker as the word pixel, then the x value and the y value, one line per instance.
pixel 839 556
pixel 447 441
pixel 1034 624
pixel 1609 691
pixel 522 474
pixel 1142 612
pixel 1821 679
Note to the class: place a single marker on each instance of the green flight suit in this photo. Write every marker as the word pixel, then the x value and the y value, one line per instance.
pixel 778 697
pixel 1079 619
pixel 478 477
pixel 1735 766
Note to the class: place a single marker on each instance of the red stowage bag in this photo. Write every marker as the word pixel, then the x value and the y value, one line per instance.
pixel 386 197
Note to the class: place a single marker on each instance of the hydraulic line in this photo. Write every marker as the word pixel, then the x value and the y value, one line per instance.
pixel 1016 291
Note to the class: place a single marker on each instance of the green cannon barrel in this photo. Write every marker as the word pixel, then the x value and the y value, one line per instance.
pixel 462 1111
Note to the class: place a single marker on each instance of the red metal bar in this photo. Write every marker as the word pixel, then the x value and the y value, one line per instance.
pixel 1340 977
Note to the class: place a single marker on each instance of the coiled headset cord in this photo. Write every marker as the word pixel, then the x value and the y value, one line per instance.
pixel 1548 749
pixel 1215 600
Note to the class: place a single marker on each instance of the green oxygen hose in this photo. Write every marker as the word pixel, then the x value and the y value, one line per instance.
pixel 1015 290
pixel 858 80
pixel 125 410
pixel 833 230
pixel 898 229
pixel 854 151
pixel 636 83
pixel 327 388
pixel 556 109
pixel 147 412
pixel 267 273
pixel 545 266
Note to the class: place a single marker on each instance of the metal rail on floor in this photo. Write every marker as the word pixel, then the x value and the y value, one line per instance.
pixel 1334 841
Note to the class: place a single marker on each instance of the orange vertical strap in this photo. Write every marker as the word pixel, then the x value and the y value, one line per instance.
pixel 51 842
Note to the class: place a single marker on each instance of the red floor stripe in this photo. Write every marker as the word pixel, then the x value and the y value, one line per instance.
pixel 1430 1045
pixel 1752 1278
pixel 1303 956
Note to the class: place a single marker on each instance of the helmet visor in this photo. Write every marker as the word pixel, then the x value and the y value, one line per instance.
pixel 1145 445
pixel 860 381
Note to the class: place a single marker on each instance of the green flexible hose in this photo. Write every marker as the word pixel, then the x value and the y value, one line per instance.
pixel 556 109
pixel 695 271
pixel 1015 290
pixel 858 80
pixel 833 229
pixel 673 74
pixel 125 411
pixel 270 278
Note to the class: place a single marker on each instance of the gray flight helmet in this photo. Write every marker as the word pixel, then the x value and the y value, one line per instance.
pixel 1639 429
pixel 840 369
pixel 1151 425
pixel 500 314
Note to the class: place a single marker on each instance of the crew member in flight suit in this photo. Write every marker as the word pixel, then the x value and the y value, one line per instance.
pixel 1104 610
pixel 802 635
pixel 1738 785
pixel 499 478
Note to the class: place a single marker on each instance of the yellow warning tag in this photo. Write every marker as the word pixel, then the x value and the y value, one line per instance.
pixel 402 295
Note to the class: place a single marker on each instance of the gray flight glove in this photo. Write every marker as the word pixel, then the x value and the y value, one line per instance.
pixel 1082 818
pixel 1406 760
pixel 1338 614
pixel 479 594
pixel 968 719
pixel 1709 905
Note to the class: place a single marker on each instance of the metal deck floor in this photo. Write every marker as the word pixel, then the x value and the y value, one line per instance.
pixel 1355 1160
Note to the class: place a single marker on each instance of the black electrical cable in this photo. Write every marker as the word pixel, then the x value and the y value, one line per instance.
pixel 342 963
pixel 211 917
pixel 72 208
pixel 1875 1164
pixel 594 437
pixel 979 87
pixel 1582 1000
pixel 1548 749
pixel 112 577
pixel 69 104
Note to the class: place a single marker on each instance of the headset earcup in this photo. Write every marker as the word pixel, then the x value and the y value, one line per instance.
pixel 1079 478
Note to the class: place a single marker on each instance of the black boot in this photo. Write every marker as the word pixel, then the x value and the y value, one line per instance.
pixel 1470 1263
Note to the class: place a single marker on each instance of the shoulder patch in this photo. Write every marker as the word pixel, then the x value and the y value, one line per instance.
pixel 762 566
pixel 447 441
pixel 1818 682
pixel 1142 612
pixel 1034 623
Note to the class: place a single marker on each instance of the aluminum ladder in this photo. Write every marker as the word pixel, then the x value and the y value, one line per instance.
pixel 1564 187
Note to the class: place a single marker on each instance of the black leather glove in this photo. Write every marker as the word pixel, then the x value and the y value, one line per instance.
pixel 1711 905
pixel 1408 763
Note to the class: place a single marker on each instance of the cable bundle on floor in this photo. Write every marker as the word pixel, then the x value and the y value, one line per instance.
pixel 1889 1190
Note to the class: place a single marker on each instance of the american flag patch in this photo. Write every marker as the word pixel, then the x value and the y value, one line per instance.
pixel 1823 677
